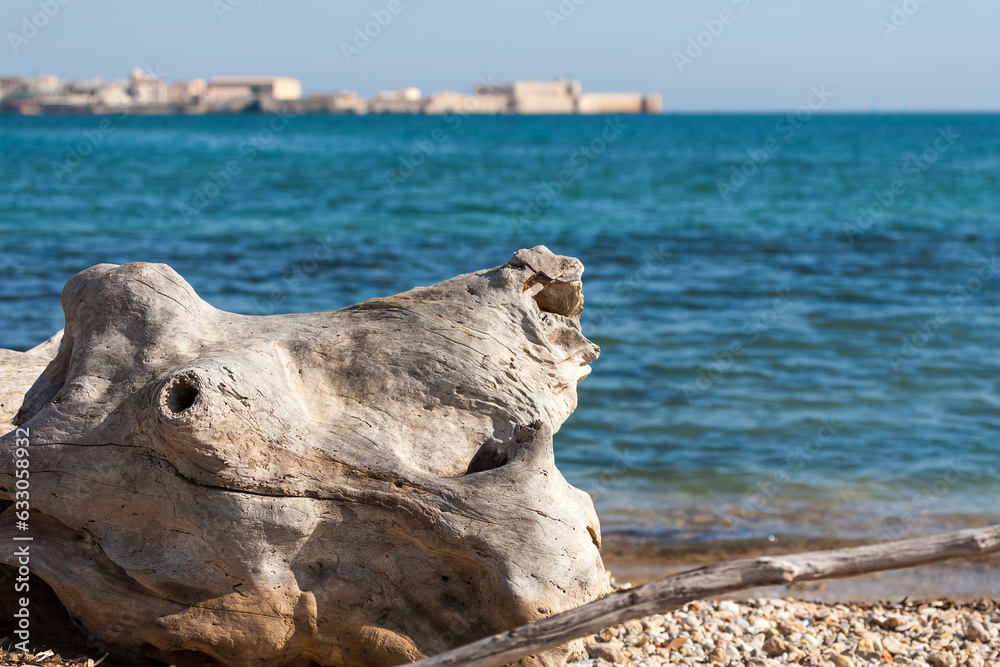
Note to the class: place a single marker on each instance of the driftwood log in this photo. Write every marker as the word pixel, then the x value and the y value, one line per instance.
pixel 674 592
pixel 18 371
pixel 362 487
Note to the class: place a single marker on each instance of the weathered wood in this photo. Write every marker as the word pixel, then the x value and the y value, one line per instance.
pixel 18 371
pixel 674 592
pixel 361 487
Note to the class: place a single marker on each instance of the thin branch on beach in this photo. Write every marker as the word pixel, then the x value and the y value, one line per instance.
pixel 675 591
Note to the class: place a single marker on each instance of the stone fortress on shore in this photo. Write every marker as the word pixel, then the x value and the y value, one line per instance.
pixel 146 93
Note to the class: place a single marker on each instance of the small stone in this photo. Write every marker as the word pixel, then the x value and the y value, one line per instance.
pixel 944 638
pixel 606 651
pixel 775 646
pixel 892 622
pixel 691 621
pixel 866 645
pixel 729 607
pixel 651 623
pixel 632 627
pixel 794 655
pixel 893 646
pixel 976 631
pixel 789 627
pixel 841 660
pixel 607 635
pixel 759 626
pixel 976 661
pixel 676 643
pixel 718 657
pixel 941 659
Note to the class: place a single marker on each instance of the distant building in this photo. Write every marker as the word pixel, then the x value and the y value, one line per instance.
pixel 449 101
pixel 146 88
pixel 274 87
pixel 652 103
pixel 619 103
pixel 343 102
pixel 186 92
pixel 114 95
pixel 17 96
pixel 536 97
pixel 146 93
pixel 226 98
pixel 74 96
pixel 403 100
pixel 565 96
pixel 46 84
pixel 14 85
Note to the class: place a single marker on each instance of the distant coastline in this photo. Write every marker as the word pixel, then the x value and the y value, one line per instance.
pixel 146 93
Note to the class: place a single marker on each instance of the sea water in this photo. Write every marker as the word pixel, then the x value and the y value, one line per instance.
pixel 799 317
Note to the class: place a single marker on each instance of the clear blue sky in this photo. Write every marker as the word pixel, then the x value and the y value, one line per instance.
pixel 945 55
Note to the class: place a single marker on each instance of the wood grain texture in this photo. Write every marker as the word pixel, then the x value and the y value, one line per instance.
pixel 361 487
pixel 18 371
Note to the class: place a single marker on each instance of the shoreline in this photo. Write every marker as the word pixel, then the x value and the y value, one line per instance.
pixel 638 562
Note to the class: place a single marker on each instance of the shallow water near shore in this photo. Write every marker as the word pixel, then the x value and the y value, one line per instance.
pixel 959 580
pixel 802 351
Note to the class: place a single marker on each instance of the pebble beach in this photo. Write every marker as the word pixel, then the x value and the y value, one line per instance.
pixel 768 632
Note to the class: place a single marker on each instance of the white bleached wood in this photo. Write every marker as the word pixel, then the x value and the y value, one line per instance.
pixel 360 487
pixel 18 371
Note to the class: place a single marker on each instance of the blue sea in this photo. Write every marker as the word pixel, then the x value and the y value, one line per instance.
pixel 799 317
